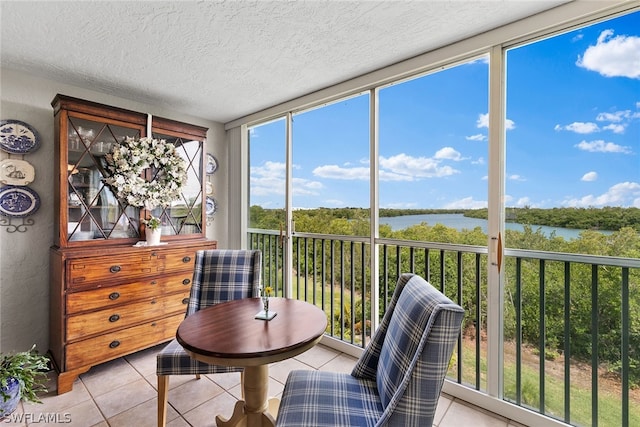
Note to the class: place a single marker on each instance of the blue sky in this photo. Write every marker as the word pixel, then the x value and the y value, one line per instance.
pixel 573 133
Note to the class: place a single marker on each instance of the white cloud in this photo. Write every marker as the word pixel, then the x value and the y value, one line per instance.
pixel 400 167
pixel 476 137
pixel 448 153
pixel 414 167
pixel 304 187
pixel 269 180
pixel 480 161
pixel 579 127
pixel 483 122
pixel 618 122
pixel 334 202
pixel 622 194
pixel 615 128
pixel 515 177
pixel 589 176
pixel 384 175
pixel 611 56
pixel 600 146
pixel 339 172
pixel 466 203
pixel 523 201
pixel 616 117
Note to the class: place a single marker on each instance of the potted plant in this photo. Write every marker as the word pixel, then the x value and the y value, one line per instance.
pixel 153 230
pixel 22 376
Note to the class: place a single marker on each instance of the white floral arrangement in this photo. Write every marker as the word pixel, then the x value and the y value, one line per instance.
pixel 128 160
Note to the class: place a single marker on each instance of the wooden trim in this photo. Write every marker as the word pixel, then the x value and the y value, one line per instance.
pixel 175 128
pixel 63 102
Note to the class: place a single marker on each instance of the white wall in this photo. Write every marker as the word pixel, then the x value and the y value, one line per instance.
pixel 24 256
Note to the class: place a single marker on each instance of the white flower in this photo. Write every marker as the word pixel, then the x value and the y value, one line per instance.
pixel 129 159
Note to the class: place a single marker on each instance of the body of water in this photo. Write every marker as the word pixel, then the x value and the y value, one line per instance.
pixel 461 222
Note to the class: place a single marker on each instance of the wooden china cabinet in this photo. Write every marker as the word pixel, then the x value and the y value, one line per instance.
pixel 112 295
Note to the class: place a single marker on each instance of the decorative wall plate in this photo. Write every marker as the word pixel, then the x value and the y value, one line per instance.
pixel 212 206
pixel 18 201
pixel 18 137
pixel 212 164
pixel 16 172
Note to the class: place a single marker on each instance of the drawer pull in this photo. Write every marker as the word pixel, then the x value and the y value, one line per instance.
pixel 153 324
pixel 185 300
pixel 115 268
pixel 186 259
pixel 186 281
pixel 114 344
pixel 154 282
pixel 154 253
pixel 114 318
pixel 114 296
pixel 153 301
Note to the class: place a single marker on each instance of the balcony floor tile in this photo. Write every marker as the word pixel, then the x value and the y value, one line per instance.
pixel 123 393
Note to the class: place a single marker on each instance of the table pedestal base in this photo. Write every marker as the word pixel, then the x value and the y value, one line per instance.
pixel 256 410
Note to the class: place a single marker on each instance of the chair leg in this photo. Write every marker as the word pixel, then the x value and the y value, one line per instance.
pixel 242 383
pixel 163 394
pixel 197 376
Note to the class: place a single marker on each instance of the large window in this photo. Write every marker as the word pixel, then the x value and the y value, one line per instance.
pixel 573 133
pixel 551 304
pixel 331 167
pixel 433 152
pixel 573 186
pixel 267 175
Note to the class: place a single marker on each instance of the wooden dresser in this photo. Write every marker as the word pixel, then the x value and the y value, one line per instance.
pixel 114 301
pixel 112 295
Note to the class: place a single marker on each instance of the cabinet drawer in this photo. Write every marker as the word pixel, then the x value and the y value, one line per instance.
pixel 116 295
pixel 103 321
pixel 97 270
pixel 115 344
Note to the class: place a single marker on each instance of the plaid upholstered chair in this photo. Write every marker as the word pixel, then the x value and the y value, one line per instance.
pixel 398 378
pixel 219 275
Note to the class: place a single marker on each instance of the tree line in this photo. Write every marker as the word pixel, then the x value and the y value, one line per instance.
pixel 606 218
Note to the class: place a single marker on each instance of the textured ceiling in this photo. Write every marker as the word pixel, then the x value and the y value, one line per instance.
pixel 221 60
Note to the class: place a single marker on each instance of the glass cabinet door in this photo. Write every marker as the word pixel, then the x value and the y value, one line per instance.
pixel 185 215
pixel 93 210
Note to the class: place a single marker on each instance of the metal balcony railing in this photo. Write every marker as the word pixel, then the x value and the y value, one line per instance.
pixel 549 344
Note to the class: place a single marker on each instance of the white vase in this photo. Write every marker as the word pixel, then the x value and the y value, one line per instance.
pixel 153 236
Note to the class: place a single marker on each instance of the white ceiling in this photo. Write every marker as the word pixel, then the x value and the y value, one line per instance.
pixel 221 60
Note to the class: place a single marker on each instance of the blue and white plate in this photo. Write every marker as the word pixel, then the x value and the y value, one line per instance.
pixel 18 137
pixel 212 206
pixel 18 201
pixel 212 164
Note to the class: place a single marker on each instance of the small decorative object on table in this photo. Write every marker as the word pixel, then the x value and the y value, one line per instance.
pixel 265 314
pixel 153 231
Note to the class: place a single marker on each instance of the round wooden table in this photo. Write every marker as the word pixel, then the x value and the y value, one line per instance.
pixel 228 334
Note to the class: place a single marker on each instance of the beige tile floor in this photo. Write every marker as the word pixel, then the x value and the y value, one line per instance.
pixel 122 393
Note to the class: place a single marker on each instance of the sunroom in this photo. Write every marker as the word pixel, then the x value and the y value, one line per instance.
pixel 321 148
